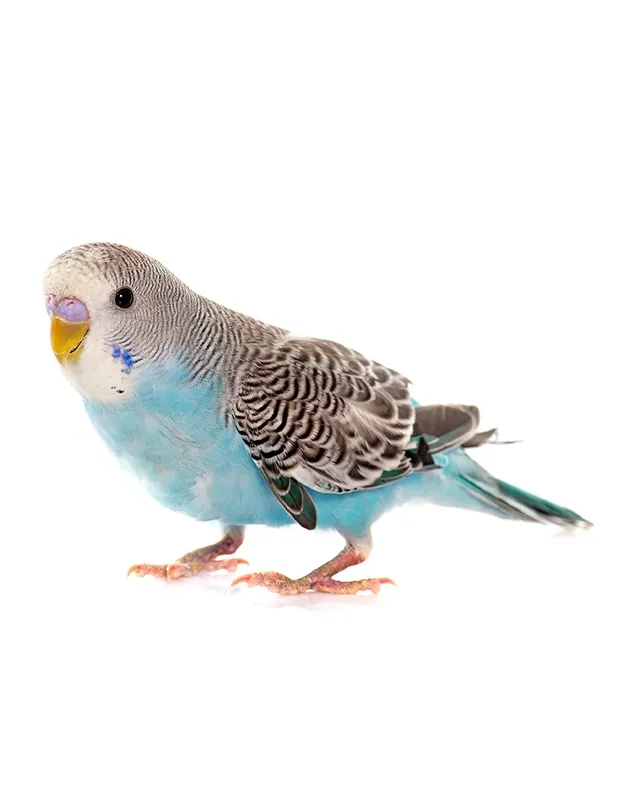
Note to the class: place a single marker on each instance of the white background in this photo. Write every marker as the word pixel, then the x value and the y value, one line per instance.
pixel 439 185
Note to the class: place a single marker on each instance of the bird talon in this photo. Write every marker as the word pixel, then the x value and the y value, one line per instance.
pixel 332 586
pixel 240 579
pixel 141 570
pixel 234 563
pixel 271 580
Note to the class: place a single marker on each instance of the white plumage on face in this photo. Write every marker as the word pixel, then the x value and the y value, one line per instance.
pixel 123 301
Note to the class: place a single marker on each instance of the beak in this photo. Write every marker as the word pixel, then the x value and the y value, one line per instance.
pixel 68 329
pixel 67 338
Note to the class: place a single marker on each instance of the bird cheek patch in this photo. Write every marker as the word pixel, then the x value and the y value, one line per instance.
pixel 125 356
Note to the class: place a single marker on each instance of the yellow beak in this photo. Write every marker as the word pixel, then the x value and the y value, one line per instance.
pixel 67 338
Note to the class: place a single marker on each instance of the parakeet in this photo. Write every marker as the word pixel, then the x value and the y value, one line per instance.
pixel 227 418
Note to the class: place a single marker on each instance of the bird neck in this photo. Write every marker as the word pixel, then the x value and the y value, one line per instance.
pixel 218 339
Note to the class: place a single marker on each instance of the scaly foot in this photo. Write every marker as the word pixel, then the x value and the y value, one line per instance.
pixel 203 560
pixel 281 584
pixel 180 569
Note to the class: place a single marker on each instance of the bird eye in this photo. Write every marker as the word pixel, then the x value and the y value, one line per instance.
pixel 124 297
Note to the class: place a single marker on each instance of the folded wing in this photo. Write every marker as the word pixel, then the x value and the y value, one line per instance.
pixel 316 414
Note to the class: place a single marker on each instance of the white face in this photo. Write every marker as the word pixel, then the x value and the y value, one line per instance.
pixel 101 368
pixel 103 341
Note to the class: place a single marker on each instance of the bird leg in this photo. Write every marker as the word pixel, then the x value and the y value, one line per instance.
pixel 321 579
pixel 203 560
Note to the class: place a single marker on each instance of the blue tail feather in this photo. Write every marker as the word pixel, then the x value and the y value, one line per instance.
pixel 516 503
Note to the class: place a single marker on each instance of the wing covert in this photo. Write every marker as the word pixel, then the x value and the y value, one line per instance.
pixel 324 415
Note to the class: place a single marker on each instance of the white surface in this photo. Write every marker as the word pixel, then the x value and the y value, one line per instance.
pixel 310 164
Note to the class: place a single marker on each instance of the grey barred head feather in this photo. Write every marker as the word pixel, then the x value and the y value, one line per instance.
pixel 166 315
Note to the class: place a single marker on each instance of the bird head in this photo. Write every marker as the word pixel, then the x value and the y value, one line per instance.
pixel 112 311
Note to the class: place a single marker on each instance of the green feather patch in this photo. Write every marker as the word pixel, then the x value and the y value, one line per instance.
pixel 389 476
pixel 294 498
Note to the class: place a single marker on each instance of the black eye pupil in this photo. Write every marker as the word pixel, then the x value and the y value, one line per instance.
pixel 124 297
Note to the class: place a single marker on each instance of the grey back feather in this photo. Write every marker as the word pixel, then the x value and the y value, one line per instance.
pixel 324 414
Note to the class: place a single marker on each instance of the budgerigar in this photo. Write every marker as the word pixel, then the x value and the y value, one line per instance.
pixel 227 418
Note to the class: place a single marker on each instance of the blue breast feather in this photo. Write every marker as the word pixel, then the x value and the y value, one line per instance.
pixel 173 435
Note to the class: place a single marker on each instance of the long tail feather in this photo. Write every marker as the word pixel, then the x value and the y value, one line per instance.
pixel 518 503
pixel 487 437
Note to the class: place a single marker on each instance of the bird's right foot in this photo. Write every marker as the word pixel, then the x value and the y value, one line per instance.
pixel 281 584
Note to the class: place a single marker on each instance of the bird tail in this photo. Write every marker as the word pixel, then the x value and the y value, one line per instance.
pixel 516 503
pixel 453 429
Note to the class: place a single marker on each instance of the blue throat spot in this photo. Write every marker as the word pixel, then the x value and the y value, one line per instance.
pixel 125 356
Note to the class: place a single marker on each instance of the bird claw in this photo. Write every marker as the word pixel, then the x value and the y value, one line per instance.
pixel 229 564
pixel 331 586
pixel 268 579
pixel 142 570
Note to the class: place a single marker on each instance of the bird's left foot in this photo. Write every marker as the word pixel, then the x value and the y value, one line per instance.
pixel 281 584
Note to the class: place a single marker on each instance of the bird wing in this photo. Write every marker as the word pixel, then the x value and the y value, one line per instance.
pixel 316 414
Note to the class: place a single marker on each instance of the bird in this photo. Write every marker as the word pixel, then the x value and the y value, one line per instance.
pixel 226 418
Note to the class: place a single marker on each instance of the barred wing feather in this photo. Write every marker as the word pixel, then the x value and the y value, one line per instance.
pixel 316 414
